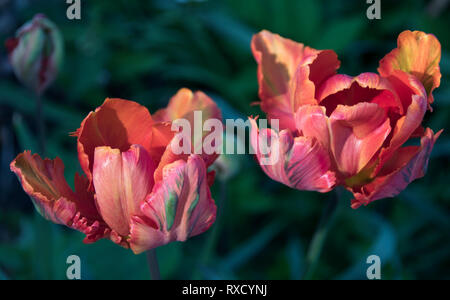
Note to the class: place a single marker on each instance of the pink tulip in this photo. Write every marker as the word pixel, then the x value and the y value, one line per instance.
pixel 136 191
pixel 343 130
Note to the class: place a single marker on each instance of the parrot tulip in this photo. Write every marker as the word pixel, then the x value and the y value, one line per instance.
pixel 136 192
pixel 341 130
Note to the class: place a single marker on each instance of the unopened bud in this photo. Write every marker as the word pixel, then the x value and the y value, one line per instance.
pixel 36 53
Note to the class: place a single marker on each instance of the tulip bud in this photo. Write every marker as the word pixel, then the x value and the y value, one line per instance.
pixel 36 53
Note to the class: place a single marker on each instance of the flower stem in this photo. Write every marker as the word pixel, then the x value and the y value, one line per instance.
pixel 40 124
pixel 318 240
pixel 211 242
pixel 153 264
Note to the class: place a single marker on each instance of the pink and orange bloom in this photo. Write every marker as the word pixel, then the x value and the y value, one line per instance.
pixel 136 192
pixel 341 130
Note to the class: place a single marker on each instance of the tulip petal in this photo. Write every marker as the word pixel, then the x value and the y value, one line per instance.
pixel 279 61
pixel 414 99
pixel 118 124
pixel 407 165
pixel 311 121
pixel 88 219
pixel 122 181
pixel 183 105
pixel 315 67
pixel 179 207
pixel 44 182
pixel 167 158
pixel 137 177
pixel 162 134
pixel 107 180
pixel 300 163
pixel 419 54
pixel 366 87
pixel 357 133
pixel 188 105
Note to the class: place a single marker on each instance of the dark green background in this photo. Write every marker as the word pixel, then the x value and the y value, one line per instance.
pixel 145 51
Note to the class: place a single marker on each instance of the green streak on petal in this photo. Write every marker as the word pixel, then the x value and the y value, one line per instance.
pixel 193 204
pixel 362 178
pixel 171 209
pixel 39 208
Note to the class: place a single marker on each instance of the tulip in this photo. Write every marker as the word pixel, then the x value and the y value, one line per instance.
pixel 338 130
pixel 136 192
pixel 36 53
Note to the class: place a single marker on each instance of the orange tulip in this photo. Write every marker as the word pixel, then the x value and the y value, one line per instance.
pixel 342 130
pixel 136 192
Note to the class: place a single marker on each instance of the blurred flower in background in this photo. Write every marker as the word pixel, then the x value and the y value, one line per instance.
pixel 36 53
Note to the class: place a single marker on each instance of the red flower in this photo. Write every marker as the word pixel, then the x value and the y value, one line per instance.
pixel 342 130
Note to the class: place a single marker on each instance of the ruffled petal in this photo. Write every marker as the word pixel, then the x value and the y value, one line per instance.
pixel 417 53
pixel 407 165
pixel 315 67
pixel 300 163
pixel 44 182
pixel 312 121
pixel 179 207
pixel 121 181
pixel 88 219
pixel 408 125
pixel 118 124
pixel 357 133
pixel 279 61
pixel 341 89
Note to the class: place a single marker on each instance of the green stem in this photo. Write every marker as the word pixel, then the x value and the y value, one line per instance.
pixel 213 238
pixel 318 240
pixel 40 125
pixel 153 264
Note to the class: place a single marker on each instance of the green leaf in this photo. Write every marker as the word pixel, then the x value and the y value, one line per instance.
pixel 384 246
pixel 244 252
pixel 305 17
pixel 296 258
pixel 23 134
pixel 425 206
pixel 19 99
pixel 340 34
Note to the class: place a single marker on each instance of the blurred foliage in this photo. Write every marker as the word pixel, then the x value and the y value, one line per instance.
pixel 146 51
